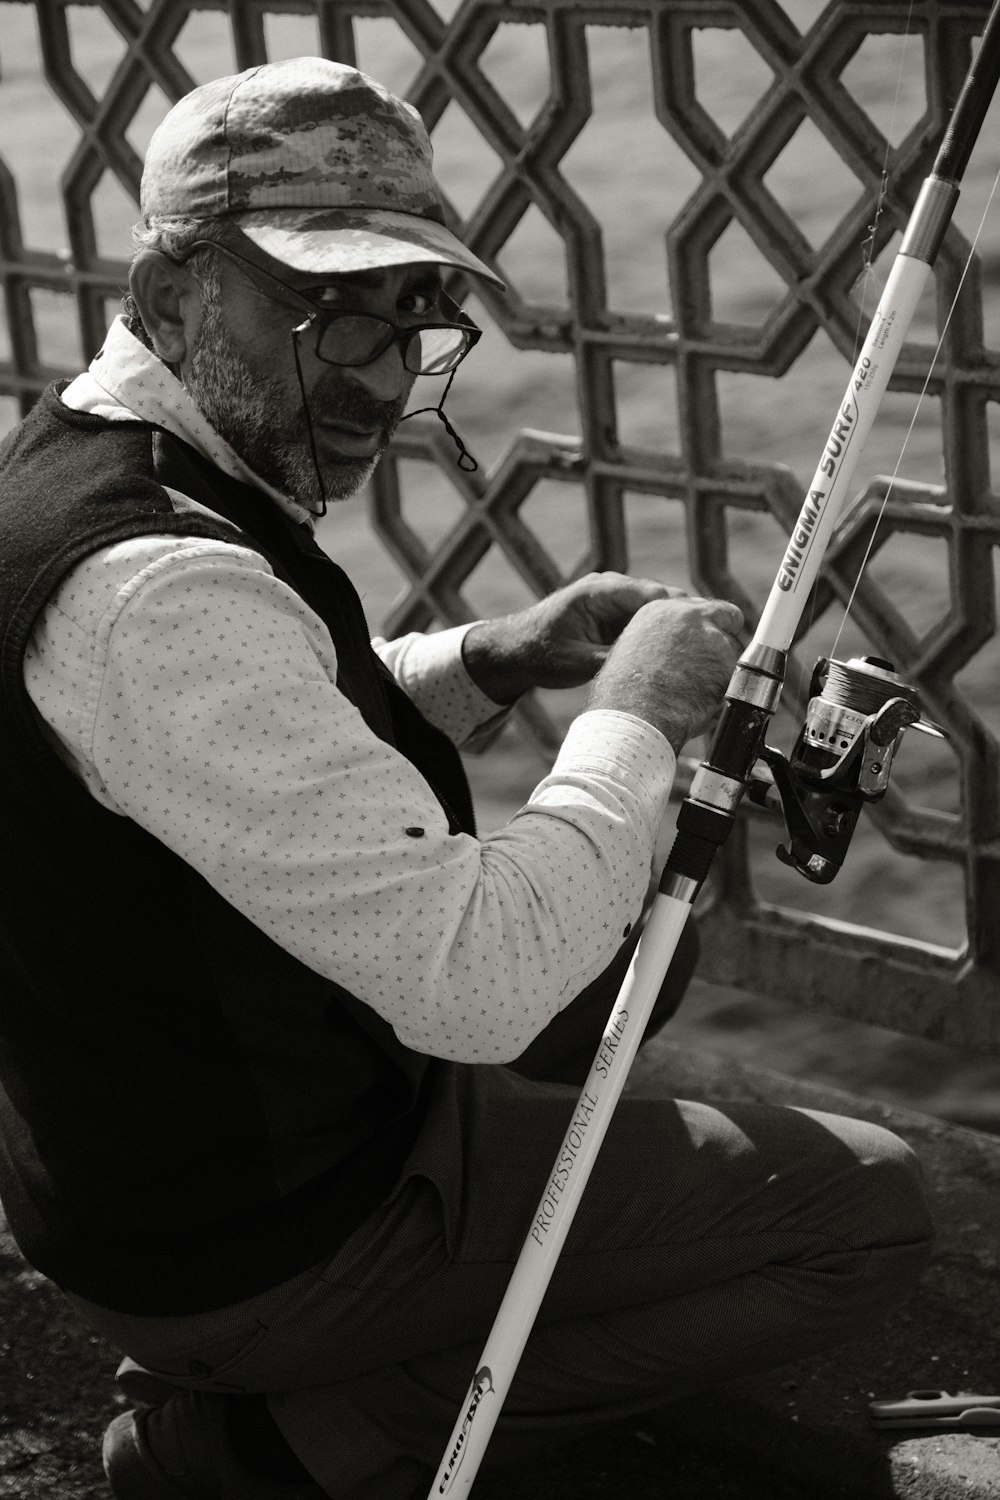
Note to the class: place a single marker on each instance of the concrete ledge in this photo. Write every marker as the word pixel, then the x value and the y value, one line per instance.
pixel 807 1425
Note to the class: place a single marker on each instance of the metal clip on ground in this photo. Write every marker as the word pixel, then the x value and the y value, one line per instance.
pixel 936 1409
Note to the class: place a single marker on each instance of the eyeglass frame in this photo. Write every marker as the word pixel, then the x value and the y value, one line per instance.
pixel 319 318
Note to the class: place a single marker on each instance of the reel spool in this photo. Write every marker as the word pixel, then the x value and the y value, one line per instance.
pixel 857 709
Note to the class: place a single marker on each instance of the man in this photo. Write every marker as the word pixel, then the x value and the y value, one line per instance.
pixel 279 1032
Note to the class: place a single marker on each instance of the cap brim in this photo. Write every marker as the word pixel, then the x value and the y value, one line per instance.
pixel 331 241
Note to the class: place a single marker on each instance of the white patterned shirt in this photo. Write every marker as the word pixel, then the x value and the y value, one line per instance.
pixel 195 693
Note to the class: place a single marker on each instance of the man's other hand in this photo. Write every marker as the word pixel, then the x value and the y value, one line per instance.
pixel 562 641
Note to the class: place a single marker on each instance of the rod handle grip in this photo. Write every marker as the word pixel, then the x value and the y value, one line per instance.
pixel 700 833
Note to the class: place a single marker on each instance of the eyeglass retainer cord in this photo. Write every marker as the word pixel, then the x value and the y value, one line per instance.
pixel 465 459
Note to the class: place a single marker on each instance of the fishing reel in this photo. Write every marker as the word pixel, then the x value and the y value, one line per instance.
pixel 857 713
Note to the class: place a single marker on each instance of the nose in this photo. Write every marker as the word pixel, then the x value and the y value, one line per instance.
pixel 385 378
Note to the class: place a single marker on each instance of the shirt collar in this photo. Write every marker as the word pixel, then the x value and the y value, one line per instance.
pixel 139 384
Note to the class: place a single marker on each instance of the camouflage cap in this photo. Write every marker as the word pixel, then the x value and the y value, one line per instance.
pixel 317 164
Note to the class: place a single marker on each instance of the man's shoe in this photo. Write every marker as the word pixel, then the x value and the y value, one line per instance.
pixel 140 1385
pixel 182 1451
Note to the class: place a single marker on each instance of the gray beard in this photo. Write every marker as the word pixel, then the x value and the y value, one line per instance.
pixel 271 435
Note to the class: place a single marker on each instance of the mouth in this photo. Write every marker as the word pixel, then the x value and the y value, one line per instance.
pixel 349 439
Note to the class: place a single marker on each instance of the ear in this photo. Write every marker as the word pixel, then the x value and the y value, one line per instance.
pixel 169 303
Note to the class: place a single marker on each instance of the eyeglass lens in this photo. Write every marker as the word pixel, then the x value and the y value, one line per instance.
pixel 355 339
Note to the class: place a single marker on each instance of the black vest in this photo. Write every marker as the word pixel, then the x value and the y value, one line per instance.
pixel 188 1114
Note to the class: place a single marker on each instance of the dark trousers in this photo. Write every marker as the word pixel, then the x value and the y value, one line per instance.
pixel 711 1242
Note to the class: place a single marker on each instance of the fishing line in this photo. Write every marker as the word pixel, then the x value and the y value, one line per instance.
pixel 868 245
pixel 916 412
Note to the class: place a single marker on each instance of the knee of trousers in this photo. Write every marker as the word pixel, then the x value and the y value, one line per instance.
pixel 894 1212
pixel 889 1233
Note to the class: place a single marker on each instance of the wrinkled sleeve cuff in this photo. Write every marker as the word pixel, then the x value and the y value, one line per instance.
pixel 431 670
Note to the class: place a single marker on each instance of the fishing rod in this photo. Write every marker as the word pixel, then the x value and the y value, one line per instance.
pixel 857 714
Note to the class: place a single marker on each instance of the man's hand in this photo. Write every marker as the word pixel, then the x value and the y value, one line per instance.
pixel 560 642
pixel 671 666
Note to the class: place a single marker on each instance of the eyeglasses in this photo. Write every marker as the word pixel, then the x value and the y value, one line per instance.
pixel 354 339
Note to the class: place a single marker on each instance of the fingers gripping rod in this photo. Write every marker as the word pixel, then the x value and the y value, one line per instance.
pixel 708 811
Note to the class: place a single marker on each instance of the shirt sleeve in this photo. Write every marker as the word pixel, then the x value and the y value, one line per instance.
pixel 431 670
pixel 209 713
